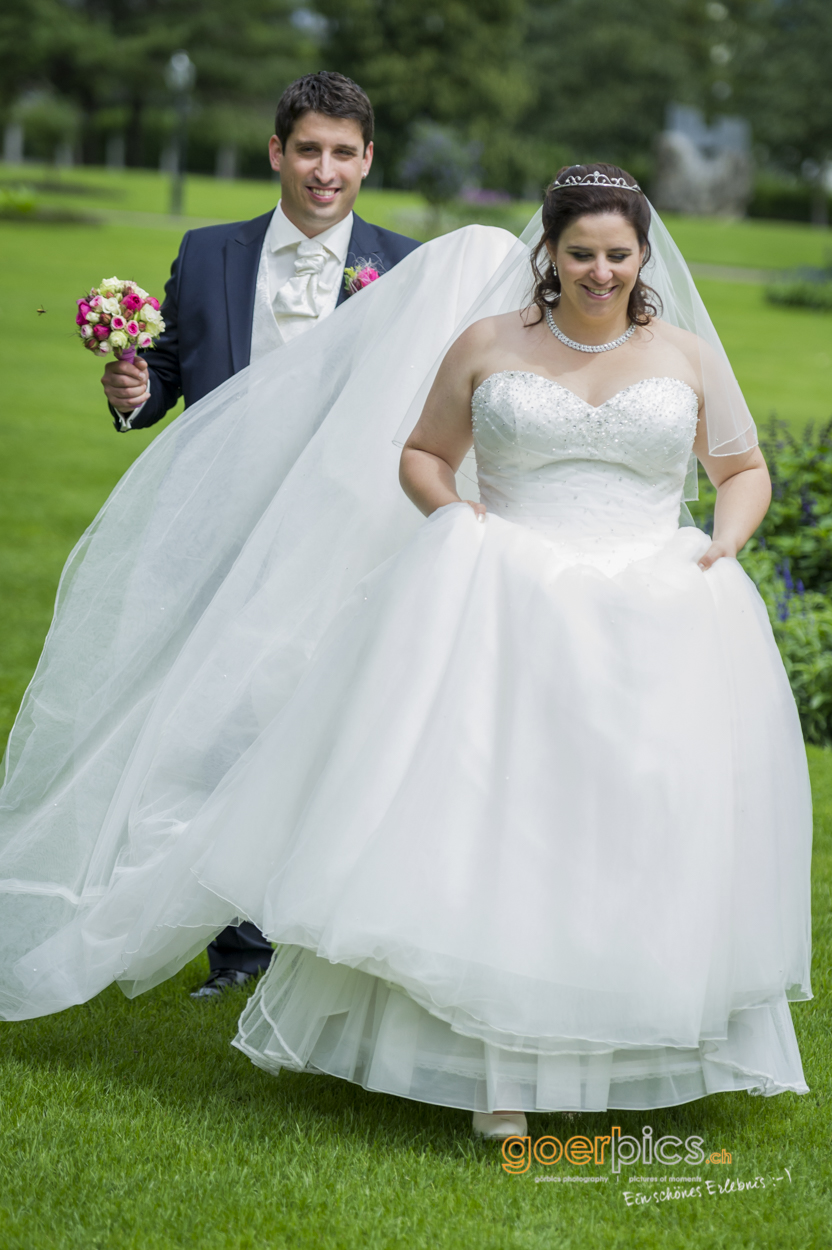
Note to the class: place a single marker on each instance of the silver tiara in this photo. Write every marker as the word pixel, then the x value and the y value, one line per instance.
pixel 599 180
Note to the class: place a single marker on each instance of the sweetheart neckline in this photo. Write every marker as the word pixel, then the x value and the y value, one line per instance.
pixel 529 373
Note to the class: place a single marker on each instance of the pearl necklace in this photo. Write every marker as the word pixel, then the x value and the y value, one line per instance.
pixel 584 347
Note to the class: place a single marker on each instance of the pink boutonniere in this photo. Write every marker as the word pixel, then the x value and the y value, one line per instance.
pixel 360 275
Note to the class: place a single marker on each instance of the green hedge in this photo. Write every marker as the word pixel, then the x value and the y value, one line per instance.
pixel 801 294
pixel 783 201
pixel 790 561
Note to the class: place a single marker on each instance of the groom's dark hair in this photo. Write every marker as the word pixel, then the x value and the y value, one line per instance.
pixel 327 93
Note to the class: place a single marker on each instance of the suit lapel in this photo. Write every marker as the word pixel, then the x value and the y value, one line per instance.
pixel 242 260
pixel 365 245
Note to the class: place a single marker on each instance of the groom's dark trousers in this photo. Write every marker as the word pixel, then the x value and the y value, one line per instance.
pixel 208 313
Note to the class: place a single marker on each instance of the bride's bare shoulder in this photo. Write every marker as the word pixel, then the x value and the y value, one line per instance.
pixel 496 331
pixel 696 350
pixel 689 344
pixel 673 335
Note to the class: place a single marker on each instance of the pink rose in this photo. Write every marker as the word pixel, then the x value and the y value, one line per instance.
pixel 132 328
pixel 81 316
pixel 118 323
pixel 101 332
pixel 131 302
pixel 362 277
pixel 152 301
pixel 96 301
pixel 145 341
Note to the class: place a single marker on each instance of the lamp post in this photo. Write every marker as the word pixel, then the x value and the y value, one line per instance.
pixel 180 76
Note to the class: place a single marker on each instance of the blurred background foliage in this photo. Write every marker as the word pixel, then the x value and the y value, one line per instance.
pixel 790 560
pixel 527 84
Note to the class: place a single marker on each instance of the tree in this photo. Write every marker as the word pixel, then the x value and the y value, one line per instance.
pixel 785 86
pixel 607 69
pixel 107 55
pixel 450 62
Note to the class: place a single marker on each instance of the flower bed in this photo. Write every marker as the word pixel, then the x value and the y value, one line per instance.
pixel 790 561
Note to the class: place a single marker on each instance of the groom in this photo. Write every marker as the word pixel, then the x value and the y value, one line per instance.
pixel 238 291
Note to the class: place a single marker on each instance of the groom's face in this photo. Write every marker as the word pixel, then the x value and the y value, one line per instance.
pixel 321 170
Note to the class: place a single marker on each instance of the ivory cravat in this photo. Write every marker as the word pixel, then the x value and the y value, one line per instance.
pixel 300 295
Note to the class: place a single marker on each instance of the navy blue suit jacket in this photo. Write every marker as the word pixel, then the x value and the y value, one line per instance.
pixel 209 307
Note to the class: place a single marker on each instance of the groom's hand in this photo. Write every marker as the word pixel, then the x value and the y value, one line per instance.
pixel 125 385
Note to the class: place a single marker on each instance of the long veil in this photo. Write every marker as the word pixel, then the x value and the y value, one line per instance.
pixel 189 609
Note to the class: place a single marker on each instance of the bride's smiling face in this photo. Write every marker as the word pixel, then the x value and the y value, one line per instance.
pixel 598 258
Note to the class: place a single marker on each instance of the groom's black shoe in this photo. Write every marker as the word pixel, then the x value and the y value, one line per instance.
pixel 221 980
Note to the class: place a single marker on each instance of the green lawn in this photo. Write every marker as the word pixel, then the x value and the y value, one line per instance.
pixel 59 454
pixel 133 1124
pixel 781 356
pixel 753 243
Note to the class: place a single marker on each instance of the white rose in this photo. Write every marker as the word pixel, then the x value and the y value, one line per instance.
pixel 149 314
pixel 118 339
pixel 111 306
pixel 104 346
pixel 137 290
pixel 86 332
pixel 111 284
pixel 93 319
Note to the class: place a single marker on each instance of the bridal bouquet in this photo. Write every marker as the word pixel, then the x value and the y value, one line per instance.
pixel 118 317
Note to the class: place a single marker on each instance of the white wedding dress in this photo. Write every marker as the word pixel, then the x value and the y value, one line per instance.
pixel 533 830
pixel 524 803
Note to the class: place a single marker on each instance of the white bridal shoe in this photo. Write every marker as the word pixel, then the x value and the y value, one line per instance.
pixel 500 1124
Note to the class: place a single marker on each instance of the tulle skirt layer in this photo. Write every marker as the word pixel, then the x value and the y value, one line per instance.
pixel 533 830
pixel 314 1016
pixel 536 834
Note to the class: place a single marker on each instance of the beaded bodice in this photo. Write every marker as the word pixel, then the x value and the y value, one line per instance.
pixel 595 477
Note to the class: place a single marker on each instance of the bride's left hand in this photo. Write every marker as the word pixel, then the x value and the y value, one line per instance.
pixel 715 552
pixel 743 492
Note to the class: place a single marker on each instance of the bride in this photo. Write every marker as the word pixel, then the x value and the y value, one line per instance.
pixel 520 790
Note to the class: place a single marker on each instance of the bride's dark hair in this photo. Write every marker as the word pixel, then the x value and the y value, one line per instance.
pixel 565 203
